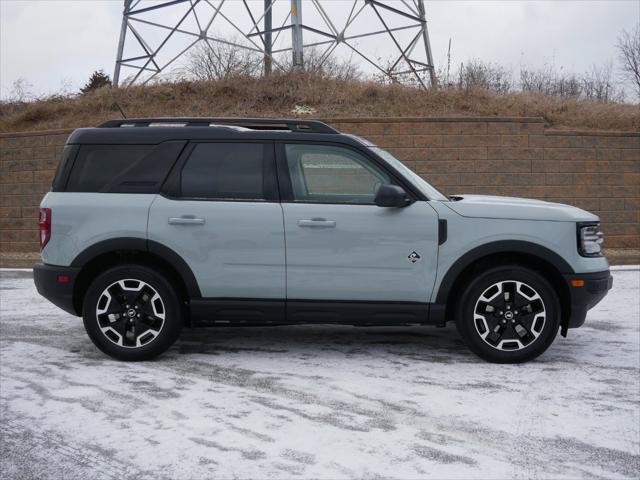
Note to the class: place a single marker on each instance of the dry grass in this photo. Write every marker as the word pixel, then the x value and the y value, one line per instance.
pixel 277 96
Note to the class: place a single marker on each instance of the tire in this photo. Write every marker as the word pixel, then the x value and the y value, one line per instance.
pixel 132 312
pixel 508 314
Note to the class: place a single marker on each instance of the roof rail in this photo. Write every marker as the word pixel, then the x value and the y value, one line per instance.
pixel 310 126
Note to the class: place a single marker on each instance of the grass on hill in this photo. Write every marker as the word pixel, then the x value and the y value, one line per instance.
pixel 329 98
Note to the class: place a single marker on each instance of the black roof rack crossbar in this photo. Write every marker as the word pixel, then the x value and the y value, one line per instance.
pixel 311 126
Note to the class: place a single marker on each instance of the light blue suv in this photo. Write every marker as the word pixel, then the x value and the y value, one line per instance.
pixel 153 224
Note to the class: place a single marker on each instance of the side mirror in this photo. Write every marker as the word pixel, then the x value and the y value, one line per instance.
pixel 391 196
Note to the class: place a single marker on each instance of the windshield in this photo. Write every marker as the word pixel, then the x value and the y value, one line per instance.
pixel 429 190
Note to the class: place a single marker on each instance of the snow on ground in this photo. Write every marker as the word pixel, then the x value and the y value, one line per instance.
pixel 321 401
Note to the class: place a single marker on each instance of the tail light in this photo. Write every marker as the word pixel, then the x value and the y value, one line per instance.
pixel 44 223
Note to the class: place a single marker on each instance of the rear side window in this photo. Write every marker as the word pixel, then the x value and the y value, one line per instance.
pixel 122 168
pixel 228 171
pixel 64 165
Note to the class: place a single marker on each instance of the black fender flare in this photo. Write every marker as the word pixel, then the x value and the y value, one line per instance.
pixel 503 246
pixel 142 245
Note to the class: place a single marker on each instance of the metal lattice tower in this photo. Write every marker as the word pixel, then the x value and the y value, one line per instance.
pixel 156 34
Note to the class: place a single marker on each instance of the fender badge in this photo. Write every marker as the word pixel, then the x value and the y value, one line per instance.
pixel 413 257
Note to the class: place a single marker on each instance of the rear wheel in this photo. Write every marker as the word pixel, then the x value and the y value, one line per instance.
pixel 132 312
pixel 508 314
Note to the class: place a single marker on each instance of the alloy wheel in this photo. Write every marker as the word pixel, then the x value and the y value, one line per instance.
pixel 509 315
pixel 130 313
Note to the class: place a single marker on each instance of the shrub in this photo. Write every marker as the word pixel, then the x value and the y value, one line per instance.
pixel 97 80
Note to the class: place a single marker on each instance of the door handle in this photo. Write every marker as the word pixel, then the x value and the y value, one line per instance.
pixel 317 223
pixel 186 220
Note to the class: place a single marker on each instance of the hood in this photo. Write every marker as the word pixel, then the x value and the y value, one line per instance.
pixel 484 206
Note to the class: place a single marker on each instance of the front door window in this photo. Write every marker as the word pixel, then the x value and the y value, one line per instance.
pixel 329 174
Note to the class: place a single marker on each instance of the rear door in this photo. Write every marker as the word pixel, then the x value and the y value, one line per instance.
pixel 220 212
pixel 344 253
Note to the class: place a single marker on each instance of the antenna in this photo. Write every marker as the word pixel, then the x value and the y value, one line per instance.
pixel 154 35
pixel 117 105
pixel 448 62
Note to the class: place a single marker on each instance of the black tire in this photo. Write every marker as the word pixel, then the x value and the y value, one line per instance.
pixel 492 330
pixel 116 331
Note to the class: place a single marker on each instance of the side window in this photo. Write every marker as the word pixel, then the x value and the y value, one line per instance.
pixel 227 171
pixel 116 168
pixel 330 174
pixel 96 166
pixel 64 165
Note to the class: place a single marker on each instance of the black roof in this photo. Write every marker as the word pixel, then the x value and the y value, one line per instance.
pixel 292 125
pixel 156 130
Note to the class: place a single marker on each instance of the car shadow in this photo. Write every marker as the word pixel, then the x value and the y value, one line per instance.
pixel 442 344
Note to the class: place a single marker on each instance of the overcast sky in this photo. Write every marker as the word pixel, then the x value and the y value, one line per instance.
pixel 56 44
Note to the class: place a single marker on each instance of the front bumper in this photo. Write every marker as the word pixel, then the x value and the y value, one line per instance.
pixel 585 291
pixel 56 284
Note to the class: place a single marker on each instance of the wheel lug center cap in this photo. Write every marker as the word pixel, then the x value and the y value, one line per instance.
pixel 508 315
pixel 131 312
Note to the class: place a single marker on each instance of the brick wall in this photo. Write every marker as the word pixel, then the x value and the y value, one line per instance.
pixel 27 164
pixel 597 171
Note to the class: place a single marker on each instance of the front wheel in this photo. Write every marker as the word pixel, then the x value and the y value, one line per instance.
pixel 509 314
pixel 132 312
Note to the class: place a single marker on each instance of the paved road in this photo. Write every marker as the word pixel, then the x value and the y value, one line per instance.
pixel 326 402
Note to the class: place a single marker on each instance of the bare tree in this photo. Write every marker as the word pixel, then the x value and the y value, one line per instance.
pixel 629 51
pixel 394 72
pixel 211 60
pixel 484 75
pixel 217 61
pixel 548 81
pixel 21 90
pixel 318 64
pixel 598 84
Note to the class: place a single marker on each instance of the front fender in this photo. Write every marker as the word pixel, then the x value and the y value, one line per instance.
pixel 503 246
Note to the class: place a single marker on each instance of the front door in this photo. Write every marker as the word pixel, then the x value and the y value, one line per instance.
pixel 345 254
pixel 222 216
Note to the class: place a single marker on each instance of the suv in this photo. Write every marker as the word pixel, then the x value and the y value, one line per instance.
pixel 152 224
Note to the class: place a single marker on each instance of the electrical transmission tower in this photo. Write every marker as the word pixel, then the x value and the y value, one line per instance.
pixel 390 37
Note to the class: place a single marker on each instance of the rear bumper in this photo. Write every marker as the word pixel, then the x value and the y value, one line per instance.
pixel 48 282
pixel 583 298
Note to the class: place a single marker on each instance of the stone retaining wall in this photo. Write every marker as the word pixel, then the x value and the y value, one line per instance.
pixel 597 171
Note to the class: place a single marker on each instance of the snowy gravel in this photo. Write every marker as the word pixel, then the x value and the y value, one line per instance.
pixel 317 402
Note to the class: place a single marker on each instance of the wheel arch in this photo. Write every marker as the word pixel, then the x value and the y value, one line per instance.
pixel 530 255
pixel 108 253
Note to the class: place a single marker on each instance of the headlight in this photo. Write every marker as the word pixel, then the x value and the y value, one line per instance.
pixel 590 240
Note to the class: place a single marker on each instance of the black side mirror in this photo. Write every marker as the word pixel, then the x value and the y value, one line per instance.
pixel 391 196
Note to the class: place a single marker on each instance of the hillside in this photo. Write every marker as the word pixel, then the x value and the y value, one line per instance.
pixel 325 98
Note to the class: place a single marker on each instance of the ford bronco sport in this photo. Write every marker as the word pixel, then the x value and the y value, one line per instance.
pixel 152 224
